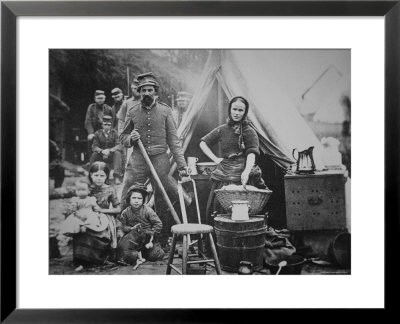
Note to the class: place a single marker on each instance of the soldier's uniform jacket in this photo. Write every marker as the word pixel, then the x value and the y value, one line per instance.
pixel 94 117
pixel 157 130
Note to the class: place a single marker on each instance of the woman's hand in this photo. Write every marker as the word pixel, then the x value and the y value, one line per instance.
pixel 83 229
pixel 245 178
pixel 207 151
pixel 149 245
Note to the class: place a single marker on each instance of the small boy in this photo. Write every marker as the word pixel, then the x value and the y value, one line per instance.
pixel 138 213
pixel 82 209
pixel 106 148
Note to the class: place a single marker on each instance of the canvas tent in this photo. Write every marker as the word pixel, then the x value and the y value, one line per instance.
pixel 262 77
pixel 323 99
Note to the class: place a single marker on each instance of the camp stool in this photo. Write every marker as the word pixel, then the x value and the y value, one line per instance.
pixel 186 230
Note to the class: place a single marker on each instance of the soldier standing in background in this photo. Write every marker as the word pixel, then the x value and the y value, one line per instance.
pixel 127 105
pixel 118 97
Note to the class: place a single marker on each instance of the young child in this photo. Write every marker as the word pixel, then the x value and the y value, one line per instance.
pixel 138 213
pixel 82 214
pixel 99 242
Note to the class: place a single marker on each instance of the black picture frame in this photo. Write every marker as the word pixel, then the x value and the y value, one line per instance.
pixel 11 10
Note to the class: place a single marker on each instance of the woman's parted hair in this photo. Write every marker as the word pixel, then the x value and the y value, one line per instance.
pixel 98 166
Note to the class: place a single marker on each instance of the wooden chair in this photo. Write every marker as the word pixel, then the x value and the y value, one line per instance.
pixel 186 230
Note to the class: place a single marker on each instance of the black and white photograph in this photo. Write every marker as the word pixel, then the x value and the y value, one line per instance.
pixel 168 147
pixel 199 161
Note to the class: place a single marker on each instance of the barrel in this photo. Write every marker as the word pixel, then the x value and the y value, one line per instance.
pixel 240 241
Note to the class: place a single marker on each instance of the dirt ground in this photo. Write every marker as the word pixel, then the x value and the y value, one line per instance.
pixel 64 264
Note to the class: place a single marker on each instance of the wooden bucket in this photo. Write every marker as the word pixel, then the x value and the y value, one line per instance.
pixel 240 241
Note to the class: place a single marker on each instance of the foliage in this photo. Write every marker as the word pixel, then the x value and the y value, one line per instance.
pixel 75 74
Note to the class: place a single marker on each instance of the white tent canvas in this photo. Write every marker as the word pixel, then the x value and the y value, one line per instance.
pixel 272 81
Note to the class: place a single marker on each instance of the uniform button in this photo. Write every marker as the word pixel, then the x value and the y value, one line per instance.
pixel 148 135
pixel 148 130
pixel 148 118
pixel 148 124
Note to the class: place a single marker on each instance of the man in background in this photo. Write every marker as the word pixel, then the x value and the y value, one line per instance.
pixel 118 98
pixel 127 105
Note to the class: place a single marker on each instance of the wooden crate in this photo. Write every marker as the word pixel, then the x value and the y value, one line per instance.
pixel 315 202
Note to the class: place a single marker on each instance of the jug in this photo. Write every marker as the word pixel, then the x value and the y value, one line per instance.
pixel 191 162
pixel 305 161
pixel 331 156
pixel 240 210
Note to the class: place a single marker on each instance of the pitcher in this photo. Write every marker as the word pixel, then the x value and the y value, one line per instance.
pixel 305 161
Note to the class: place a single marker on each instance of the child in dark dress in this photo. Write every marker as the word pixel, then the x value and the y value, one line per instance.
pixel 95 246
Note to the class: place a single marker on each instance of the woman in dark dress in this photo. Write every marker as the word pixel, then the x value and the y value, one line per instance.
pixel 239 147
pixel 96 247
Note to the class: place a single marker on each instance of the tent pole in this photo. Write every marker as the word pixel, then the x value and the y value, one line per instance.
pixel 220 98
pixel 221 111
pixel 127 81
pixel 186 142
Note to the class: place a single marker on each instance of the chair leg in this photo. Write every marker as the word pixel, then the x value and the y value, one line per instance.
pixel 171 254
pixel 184 253
pixel 214 252
pixel 200 245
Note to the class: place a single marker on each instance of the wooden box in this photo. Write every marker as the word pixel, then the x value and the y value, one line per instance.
pixel 315 202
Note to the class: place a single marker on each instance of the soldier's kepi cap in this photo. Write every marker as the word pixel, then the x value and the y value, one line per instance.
pixel 115 91
pixel 107 119
pixel 147 79
pixel 99 93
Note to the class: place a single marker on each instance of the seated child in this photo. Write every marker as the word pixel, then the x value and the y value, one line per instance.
pixel 106 148
pixel 83 214
pixel 138 213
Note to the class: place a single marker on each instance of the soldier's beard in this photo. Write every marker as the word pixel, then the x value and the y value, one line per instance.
pixel 147 100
